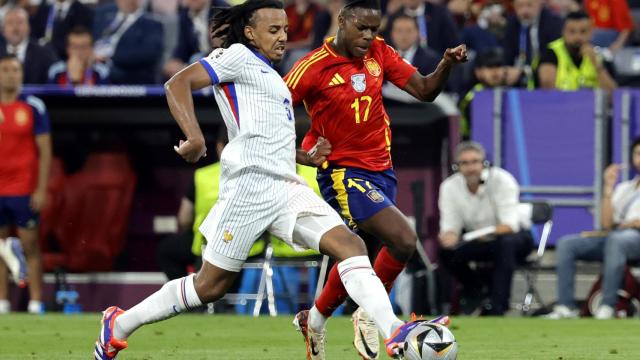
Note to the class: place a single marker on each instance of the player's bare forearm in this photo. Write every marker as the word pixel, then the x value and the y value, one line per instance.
pixel 427 88
pixel 303 158
pixel 178 91
pixel 43 143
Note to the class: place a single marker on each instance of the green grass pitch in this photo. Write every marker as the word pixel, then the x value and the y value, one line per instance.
pixel 200 337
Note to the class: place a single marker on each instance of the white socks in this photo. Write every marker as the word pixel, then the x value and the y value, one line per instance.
pixel 366 289
pixel 173 298
pixel 5 306
pixel 316 320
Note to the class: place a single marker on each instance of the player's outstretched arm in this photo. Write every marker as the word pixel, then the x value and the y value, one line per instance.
pixel 427 88
pixel 178 90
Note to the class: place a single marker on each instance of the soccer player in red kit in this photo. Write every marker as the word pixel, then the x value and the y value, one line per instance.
pixel 25 148
pixel 340 84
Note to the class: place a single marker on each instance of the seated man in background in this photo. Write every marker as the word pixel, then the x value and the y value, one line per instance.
pixel 178 252
pixel 571 62
pixel 479 197
pixel 79 68
pixel 35 59
pixel 620 216
pixel 129 41
pixel 405 37
pixel 54 20
pixel 489 72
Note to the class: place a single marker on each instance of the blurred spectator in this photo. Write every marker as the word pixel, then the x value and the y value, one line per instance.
pixel 193 35
pixel 612 22
pixel 405 38
pixel 563 7
pixel 79 68
pixel 24 171
pixel 35 59
pixel 175 253
pixel 435 24
pixel 620 218
pixel 326 22
pixel 480 197
pixel 571 63
pixel 6 5
pixel 129 42
pixel 489 72
pixel 527 35
pixel 301 15
pixel 52 23
pixel 481 33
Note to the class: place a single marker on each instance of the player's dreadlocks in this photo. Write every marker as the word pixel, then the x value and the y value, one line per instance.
pixel 237 17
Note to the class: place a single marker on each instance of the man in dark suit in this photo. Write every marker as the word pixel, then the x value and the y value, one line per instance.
pixel 52 22
pixel 435 24
pixel 35 59
pixel 405 38
pixel 193 35
pixel 129 42
pixel 527 34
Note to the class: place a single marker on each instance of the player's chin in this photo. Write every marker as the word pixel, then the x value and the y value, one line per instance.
pixel 359 51
pixel 276 55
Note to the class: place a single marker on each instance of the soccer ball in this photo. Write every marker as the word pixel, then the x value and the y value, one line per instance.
pixel 430 342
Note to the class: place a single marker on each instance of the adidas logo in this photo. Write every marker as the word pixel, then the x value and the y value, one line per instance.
pixel 337 80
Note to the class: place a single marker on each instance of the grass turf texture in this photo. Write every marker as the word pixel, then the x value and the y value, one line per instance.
pixel 196 337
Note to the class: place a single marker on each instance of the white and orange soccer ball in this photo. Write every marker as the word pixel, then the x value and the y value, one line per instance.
pixel 429 341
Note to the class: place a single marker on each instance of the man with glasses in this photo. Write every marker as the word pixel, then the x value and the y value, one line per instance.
pixel 480 222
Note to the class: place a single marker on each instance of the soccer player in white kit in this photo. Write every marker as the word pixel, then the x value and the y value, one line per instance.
pixel 259 188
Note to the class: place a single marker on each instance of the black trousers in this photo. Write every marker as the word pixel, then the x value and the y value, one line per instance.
pixel 174 254
pixel 504 253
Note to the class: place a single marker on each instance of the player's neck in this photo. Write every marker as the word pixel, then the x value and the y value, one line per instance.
pixel 7 97
pixel 339 47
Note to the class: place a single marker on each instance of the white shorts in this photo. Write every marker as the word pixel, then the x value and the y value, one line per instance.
pixel 253 203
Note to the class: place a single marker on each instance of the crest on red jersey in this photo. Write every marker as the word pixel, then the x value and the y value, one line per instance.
pixel 373 67
pixel 359 82
pixel 21 117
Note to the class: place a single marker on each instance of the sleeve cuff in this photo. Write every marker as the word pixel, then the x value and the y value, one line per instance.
pixel 212 73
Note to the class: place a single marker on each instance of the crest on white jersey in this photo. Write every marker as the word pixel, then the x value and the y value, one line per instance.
pixel 359 82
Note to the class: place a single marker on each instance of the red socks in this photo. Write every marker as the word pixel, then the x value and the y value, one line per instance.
pixel 387 268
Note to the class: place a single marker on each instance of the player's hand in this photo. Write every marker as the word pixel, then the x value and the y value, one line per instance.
pixel 456 55
pixel 38 198
pixel 191 150
pixel 319 152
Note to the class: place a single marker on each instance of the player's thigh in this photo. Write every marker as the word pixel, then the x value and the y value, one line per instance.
pixel 231 229
pixel 308 222
pixel 389 225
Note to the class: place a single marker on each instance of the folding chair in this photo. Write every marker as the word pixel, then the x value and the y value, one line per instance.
pixel 541 214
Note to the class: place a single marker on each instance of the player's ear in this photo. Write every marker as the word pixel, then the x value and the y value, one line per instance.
pixel 248 33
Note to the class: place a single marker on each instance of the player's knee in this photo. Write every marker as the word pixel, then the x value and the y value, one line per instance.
pixel 405 244
pixel 351 245
pixel 208 291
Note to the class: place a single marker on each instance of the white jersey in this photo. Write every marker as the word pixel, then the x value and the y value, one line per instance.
pixel 256 107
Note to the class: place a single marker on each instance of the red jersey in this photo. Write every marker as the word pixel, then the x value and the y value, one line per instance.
pixel 344 99
pixel 610 14
pixel 20 122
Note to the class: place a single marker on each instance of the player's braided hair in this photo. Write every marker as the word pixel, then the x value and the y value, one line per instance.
pixel 237 17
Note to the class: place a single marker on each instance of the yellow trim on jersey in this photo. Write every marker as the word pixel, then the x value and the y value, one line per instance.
pixel 296 70
pixel 306 67
pixel 336 80
pixel 337 175
pixel 327 47
pixel 379 38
